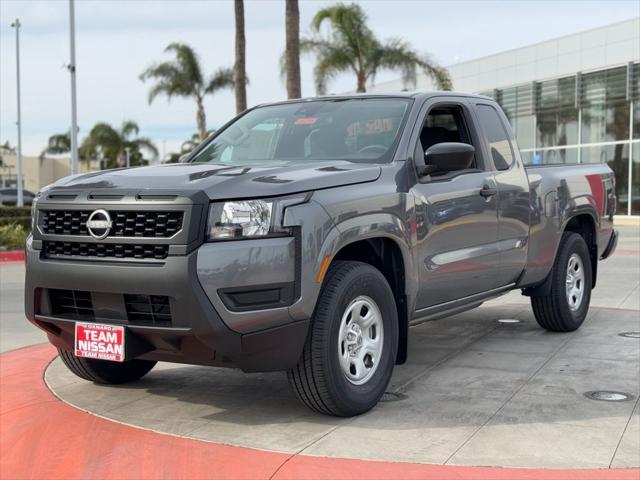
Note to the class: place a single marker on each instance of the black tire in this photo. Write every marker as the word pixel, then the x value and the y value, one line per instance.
pixel 318 380
pixel 553 311
pixel 102 371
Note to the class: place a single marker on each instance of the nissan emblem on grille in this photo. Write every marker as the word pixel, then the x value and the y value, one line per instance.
pixel 99 224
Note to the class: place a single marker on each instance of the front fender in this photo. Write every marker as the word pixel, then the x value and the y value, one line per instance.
pixel 328 240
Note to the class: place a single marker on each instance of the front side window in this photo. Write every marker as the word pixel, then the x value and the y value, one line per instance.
pixel 496 136
pixel 356 130
pixel 443 124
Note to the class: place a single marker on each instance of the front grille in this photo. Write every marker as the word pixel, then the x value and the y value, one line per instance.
pixel 75 304
pixel 146 224
pixel 105 250
pixel 153 310
pixel 143 310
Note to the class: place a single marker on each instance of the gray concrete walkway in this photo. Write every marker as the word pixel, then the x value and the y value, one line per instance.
pixel 475 391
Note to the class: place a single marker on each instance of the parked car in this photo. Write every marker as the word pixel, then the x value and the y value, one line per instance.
pixel 308 236
pixel 9 196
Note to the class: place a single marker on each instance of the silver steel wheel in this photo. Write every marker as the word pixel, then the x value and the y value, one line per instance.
pixel 360 340
pixel 575 282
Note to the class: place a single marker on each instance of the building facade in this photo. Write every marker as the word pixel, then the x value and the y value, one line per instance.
pixel 37 172
pixel 574 99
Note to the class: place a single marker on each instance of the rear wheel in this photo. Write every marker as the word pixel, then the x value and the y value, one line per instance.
pixel 565 307
pixel 102 371
pixel 350 352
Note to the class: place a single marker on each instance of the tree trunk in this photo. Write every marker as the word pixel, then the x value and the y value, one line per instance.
pixel 201 119
pixel 239 73
pixel 362 82
pixel 292 24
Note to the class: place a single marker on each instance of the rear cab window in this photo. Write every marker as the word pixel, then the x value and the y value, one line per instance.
pixel 497 137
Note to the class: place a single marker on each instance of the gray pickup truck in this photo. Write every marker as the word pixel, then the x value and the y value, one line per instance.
pixel 307 237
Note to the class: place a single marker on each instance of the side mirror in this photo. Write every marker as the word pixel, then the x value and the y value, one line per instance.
pixel 183 158
pixel 447 157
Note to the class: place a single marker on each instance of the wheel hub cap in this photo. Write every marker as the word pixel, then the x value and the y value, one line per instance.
pixel 360 340
pixel 574 284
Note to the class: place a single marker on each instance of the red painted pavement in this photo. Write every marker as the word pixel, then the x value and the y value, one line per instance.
pixel 12 256
pixel 43 438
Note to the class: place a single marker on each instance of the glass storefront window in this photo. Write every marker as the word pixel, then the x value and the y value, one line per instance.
pixel 617 157
pixel 557 115
pixel 605 110
pixel 527 158
pixel 544 117
pixel 558 155
pixel 523 128
pixel 557 127
pixel 636 119
pixel 635 182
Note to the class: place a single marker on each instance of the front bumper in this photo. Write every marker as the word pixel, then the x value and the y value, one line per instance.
pixel 268 340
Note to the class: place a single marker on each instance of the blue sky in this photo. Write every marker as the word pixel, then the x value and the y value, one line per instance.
pixel 117 39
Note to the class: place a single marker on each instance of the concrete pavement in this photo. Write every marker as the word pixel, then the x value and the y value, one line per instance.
pixel 475 391
pixel 15 331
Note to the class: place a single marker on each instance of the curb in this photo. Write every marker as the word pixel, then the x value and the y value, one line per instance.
pixel 12 256
pixel 626 221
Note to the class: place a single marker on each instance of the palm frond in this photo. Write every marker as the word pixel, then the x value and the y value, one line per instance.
pixel 59 143
pixel 221 79
pixel 171 81
pixel 331 60
pixel 144 143
pixel 104 140
pixel 187 58
pixel 397 54
pixel 129 127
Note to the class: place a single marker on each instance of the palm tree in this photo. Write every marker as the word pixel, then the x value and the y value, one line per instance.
pixel 352 46
pixel 110 145
pixel 292 51
pixel 239 69
pixel 186 147
pixel 183 77
pixel 58 144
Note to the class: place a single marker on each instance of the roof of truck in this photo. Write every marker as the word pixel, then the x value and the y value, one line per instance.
pixel 402 94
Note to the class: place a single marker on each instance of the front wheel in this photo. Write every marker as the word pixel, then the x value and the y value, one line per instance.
pixel 350 352
pixel 566 306
pixel 103 371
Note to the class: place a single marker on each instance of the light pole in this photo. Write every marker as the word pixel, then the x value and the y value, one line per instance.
pixel 128 152
pixel 72 70
pixel 20 200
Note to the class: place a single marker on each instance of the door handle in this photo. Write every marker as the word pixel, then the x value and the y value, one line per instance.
pixel 486 191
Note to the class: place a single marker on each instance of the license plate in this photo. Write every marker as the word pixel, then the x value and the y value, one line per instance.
pixel 101 342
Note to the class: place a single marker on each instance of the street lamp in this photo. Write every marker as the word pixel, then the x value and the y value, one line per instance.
pixel 72 71
pixel 19 201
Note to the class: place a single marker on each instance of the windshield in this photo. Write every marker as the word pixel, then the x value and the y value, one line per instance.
pixel 356 130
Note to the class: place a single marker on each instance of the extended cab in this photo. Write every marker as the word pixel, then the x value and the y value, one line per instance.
pixel 308 236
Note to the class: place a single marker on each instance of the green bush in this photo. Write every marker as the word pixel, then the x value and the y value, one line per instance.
pixel 14 216
pixel 24 221
pixel 13 236
pixel 10 212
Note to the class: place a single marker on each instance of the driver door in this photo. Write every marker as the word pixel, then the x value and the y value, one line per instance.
pixel 456 213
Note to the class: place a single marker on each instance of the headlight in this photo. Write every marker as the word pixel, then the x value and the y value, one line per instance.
pixel 33 211
pixel 249 218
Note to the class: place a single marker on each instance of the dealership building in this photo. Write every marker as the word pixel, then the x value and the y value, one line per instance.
pixel 573 99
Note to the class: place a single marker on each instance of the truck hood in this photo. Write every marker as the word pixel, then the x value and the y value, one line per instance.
pixel 223 181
